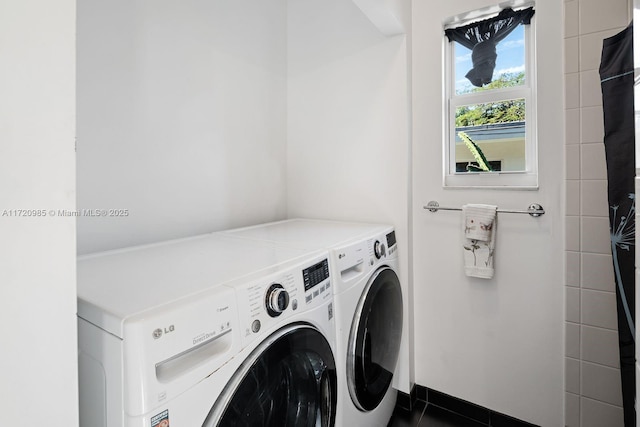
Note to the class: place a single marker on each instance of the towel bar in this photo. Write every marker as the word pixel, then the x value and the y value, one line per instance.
pixel 535 210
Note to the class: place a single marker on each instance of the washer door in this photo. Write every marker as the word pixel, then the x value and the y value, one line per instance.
pixel 288 381
pixel 374 340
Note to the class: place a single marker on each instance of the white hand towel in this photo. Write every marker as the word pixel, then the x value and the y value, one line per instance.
pixel 479 239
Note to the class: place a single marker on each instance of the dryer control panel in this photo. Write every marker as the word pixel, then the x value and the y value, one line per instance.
pixel 355 260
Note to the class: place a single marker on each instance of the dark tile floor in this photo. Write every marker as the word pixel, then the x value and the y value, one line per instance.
pixel 425 415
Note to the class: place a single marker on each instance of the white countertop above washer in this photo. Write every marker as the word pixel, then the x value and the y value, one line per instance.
pixel 115 285
pixel 311 234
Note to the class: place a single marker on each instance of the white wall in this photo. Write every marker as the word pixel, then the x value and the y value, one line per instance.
pixel 497 343
pixel 348 150
pixel 37 273
pixel 181 117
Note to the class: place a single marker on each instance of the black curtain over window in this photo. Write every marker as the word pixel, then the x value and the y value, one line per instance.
pixel 483 36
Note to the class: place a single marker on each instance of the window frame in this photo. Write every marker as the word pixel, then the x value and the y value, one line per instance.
pixel 527 179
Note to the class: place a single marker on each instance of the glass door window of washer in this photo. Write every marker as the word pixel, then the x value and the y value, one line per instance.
pixel 490 96
pixel 288 381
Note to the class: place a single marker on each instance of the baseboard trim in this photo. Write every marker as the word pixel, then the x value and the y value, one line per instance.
pixel 406 403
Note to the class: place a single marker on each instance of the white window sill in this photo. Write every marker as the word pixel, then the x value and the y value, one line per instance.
pixel 493 180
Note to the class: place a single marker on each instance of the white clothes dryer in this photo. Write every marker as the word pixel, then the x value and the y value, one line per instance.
pixel 369 317
pixel 369 308
pixel 206 331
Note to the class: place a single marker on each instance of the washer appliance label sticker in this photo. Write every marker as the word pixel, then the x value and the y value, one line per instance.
pixel 160 420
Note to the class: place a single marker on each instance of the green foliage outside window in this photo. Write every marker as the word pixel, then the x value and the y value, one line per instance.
pixel 494 112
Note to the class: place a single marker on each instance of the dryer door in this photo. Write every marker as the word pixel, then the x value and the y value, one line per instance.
pixel 288 381
pixel 374 340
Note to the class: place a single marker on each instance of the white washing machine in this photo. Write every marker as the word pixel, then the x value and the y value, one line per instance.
pixel 206 331
pixel 369 308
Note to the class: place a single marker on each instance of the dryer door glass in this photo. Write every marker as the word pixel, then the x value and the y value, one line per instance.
pixel 288 381
pixel 374 341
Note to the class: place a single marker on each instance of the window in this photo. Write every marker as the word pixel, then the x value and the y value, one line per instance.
pixel 490 100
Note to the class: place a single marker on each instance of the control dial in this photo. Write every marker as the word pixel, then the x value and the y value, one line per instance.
pixel 276 300
pixel 379 249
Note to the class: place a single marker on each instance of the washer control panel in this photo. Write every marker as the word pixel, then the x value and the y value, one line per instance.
pixel 265 302
pixel 316 280
pixel 277 300
pixel 379 249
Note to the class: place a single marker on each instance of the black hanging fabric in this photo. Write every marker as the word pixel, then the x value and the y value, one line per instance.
pixel 616 80
pixel 482 37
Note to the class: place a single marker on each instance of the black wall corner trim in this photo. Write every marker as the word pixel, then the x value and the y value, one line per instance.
pixel 407 402
pixel 404 402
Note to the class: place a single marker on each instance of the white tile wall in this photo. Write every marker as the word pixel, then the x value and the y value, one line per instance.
pixel 590 93
pixel 597 272
pixel 600 346
pixel 594 198
pixel 572 90
pixel 599 309
pixel 573 161
pixel 573 269
pixel 601 383
pixel 573 304
pixel 571 55
pixel 598 15
pixel 572 410
pixel 598 414
pixel 592 163
pixel 572 372
pixel 573 233
pixel 571 19
pixel 593 396
pixel 594 235
pixel 573 197
pixel 591 48
pixel 573 340
pixel 572 126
